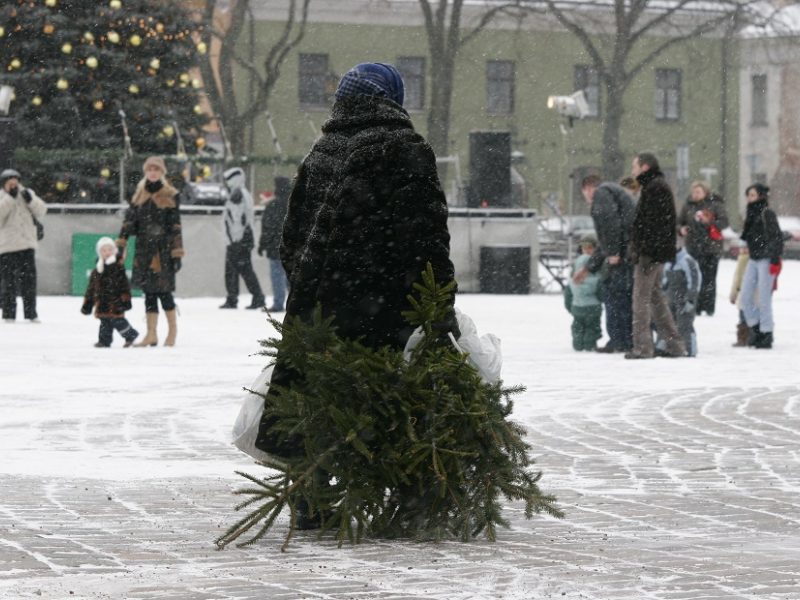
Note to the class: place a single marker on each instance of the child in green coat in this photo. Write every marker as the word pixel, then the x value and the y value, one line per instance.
pixel 583 301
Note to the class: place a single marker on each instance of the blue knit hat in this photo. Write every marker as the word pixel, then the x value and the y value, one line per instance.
pixel 372 79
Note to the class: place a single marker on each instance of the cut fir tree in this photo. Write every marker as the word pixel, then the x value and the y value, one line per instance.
pixel 391 448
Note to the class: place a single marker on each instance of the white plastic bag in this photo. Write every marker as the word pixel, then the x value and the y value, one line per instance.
pixel 245 429
pixel 485 352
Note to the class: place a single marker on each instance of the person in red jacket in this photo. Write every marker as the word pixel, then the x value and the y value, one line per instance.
pixel 110 294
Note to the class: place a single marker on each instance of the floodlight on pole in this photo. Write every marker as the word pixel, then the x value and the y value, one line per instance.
pixel 573 106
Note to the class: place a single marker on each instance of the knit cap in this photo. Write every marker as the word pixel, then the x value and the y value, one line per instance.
pixel 155 161
pixel 372 79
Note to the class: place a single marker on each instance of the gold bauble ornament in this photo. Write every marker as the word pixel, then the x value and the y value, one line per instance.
pixel 15 63
pixel 185 78
pixel 200 142
pixel 155 64
pixel 61 186
pixel 105 172
pixel 160 27
pixel 206 171
pixel 133 88
pixel 66 48
pixel 113 37
pixel 198 110
pixel 91 62
pixel 50 3
pixel 88 36
pixel 196 83
pixel 98 105
pixel 135 39
pixel 170 82
pixel 62 84
pixel 115 4
pixel 168 130
pixel 202 48
pixel 48 29
pixel 2 31
pixel 36 100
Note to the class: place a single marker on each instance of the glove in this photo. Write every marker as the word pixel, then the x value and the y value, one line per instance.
pixel 86 310
pixel 26 194
pixel 775 267
pixel 176 264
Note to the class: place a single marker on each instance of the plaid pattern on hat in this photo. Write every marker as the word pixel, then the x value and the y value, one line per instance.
pixel 372 79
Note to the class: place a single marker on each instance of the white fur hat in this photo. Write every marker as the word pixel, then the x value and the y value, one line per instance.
pixel 104 241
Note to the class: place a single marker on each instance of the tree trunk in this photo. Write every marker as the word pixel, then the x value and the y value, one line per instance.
pixel 439 114
pixel 613 156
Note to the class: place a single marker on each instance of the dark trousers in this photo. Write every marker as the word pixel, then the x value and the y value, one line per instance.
pixel 586 326
pixel 237 263
pixel 18 277
pixel 151 302
pixel 707 298
pixel 108 325
pixel 619 306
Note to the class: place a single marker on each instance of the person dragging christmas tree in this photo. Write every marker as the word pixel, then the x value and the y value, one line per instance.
pixel 366 214
pixel 153 217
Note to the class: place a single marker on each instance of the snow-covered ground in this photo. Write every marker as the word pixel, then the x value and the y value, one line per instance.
pixel 69 410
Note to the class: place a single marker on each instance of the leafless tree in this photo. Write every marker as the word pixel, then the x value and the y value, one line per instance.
pixel 236 111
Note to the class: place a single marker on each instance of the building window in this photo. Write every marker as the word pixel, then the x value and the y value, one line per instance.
pixel 668 94
pixel 412 69
pixel 500 87
pixel 312 81
pixel 587 79
pixel 759 114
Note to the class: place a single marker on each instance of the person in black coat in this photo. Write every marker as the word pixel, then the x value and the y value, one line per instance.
pixel 270 241
pixel 701 220
pixel 612 210
pixel 365 215
pixel 765 246
pixel 653 238
pixel 109 293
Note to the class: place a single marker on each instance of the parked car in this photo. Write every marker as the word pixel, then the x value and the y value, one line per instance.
pixel 205 193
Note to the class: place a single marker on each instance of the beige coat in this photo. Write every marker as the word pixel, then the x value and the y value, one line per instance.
pixel 17 231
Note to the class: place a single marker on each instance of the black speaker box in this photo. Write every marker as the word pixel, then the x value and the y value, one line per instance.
pixel 490 169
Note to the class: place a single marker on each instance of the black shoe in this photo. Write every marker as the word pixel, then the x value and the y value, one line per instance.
pixel 276 309
pixel 256 303
pixel 754 336
pixel 607 349
pixel 665 354
pixel 228 304
pixel 764 340
pixel 99 345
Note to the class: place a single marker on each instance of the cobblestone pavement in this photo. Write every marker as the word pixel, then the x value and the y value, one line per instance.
pixel 688 495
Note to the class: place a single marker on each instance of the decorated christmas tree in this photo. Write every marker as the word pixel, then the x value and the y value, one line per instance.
pixel 392 446
pixel 75 64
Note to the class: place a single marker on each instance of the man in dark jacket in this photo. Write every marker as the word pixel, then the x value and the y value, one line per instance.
pixel 653 239
pixel 612 210
pixel 365 215
pixel 270 240
pixel 701 220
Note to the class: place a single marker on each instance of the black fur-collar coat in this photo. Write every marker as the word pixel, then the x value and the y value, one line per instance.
pixel 366 214
pixel 654 233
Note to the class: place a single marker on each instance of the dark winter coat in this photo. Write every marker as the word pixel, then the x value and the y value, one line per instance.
pixel 653 234
pixel 273 218
pixel 762 232
pixel 154 218
pixel 366 214
pixel 698 241
pixel 612 212
pixel 108 292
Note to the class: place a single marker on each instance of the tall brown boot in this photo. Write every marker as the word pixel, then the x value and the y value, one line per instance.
pixel 172 322
pixel 742 334
pixel 151 337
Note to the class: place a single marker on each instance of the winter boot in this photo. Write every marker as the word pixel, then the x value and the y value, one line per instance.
pixel 229 303
pixel 742 335
pixel 754 335
pixel 258 302
pixel 151 337
pixel 764 340
pixel 172 322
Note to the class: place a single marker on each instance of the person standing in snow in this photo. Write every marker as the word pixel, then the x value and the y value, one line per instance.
pixel 238 224
pixel 110 294
pixel 582 300
pixel 765 246
pixel 701 220
pixel 19 206
pixel 154 218
pixel 682 283
pixel 366 214
pixel 270 241
pixel 653 238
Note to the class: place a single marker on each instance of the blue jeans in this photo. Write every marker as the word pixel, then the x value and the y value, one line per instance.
pixel 279 283
pixel 757 295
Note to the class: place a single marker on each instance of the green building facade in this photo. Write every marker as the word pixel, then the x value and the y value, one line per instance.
pixel 673 108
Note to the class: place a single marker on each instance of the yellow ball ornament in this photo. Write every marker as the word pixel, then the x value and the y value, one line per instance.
pixel 115 4
pixel 168 131
pixel 62 84
pixel 155 64
pixel 98 105
pixel 91 62
pixel 196 84
pixel 50 3
pixel 2 31
pixel 202 47
pixel 15 63
pixel 185 78
pixel 67 48
pixel 62 186
pixel 48 29
pixel 206 171
pixel 160 27
pixel 36 100
pixel 200 142
pixel 198 110
pixel 135 40
pixel 113 37
pixel 133 88
pixel 88 36
pixel 170 82
pixel 105 172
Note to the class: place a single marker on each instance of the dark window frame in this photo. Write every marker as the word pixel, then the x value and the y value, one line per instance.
pixel 668 82
pixel 500 86
pixel 312 84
